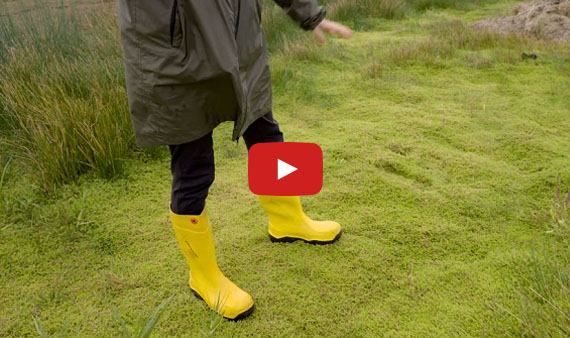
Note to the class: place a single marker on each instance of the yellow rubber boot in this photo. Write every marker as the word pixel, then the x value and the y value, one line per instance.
pixel 288 222
pixel 194 235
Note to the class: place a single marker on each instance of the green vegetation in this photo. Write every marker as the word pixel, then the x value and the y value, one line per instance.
pixel 446 160
pixel 63 96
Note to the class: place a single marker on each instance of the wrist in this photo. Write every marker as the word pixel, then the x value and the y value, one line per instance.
pixel 313 21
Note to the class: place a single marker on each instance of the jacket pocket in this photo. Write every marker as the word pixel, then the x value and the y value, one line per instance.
pixel 259 8
pixel 175 25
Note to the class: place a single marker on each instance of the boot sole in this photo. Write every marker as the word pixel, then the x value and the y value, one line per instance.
pixel 241 316
pixel 315 242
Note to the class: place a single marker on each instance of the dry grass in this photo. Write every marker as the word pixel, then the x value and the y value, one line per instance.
pixel 560 212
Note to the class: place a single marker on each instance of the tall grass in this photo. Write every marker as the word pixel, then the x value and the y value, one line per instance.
pixel 422 5
pixel 62 94
pixel 277 27
pixel 347 10
pixel 441 45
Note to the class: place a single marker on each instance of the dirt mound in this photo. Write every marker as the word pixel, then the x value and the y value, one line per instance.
pixel 543 19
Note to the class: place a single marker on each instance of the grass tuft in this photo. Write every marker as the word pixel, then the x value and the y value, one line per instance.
pixel 542 299
pixel 560 211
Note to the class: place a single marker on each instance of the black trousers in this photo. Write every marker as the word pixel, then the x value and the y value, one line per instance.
pixel 193 170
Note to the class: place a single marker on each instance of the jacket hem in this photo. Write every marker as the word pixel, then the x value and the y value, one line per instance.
pixel 152 140
pixel 250 120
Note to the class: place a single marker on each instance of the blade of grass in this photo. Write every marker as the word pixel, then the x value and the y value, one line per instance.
pixel 151 323
pixel 39 328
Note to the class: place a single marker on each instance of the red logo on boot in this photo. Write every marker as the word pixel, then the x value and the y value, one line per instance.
pixel 285 169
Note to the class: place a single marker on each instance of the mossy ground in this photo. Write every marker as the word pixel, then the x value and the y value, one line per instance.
pixel 442 170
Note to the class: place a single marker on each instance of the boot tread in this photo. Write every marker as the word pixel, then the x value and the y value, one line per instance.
pixel 287 239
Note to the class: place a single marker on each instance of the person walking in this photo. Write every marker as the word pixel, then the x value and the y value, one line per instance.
pixel 190 65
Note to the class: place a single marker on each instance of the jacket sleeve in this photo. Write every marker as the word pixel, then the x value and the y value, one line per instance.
pixel 307 13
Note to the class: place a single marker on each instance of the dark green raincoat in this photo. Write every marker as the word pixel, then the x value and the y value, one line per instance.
pixel 191 64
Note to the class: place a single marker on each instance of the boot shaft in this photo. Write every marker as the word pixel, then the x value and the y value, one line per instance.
pixel 283 209
pixel 194 235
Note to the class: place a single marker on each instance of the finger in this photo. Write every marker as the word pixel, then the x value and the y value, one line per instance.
pixel 334 28
pixel 345 32
pixel 320 35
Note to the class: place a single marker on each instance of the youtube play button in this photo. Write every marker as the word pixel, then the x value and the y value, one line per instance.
pixel 285 169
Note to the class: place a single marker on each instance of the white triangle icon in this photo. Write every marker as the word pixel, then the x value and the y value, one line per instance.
pixel 284 169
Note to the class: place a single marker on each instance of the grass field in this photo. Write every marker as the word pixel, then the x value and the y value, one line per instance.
pixel 447 161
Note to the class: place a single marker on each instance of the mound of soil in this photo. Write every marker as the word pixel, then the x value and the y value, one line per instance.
pixel 543 19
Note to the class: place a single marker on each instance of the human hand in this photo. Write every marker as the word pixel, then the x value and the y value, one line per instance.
pixel 331 28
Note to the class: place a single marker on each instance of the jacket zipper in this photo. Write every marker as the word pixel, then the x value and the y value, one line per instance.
pixel 236 17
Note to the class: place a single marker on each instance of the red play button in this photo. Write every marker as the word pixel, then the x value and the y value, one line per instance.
pixel 285 169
